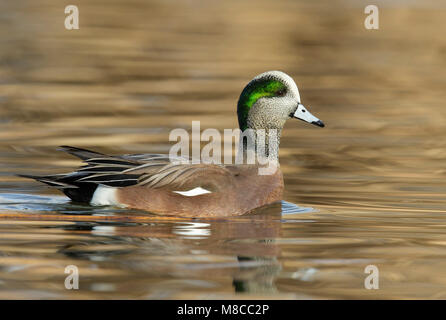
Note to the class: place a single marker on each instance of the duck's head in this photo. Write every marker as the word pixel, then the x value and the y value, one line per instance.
pixel 269 100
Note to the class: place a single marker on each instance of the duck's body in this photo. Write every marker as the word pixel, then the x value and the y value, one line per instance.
pixel 155 184
pixel 152 183
pixel 226 192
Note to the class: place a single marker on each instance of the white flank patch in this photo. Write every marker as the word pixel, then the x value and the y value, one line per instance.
pixel 194 192
pixel 105 196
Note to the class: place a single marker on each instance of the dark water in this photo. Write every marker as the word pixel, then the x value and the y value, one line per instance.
pixel 370 187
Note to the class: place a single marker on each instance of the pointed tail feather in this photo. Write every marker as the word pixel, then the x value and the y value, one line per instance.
pixel 49 180
pixel 82 154
pixel 101 169
pixel 82 195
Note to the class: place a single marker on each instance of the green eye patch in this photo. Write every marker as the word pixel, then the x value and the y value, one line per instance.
pixel 253 92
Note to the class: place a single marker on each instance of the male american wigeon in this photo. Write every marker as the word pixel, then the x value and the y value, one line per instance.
pixel 154 183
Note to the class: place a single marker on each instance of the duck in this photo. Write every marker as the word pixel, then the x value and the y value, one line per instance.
pixel 156 184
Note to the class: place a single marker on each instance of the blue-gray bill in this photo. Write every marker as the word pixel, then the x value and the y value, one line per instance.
pixel 302 113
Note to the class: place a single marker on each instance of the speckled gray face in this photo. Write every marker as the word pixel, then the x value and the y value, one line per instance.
pixel 302 113
pixel 269 100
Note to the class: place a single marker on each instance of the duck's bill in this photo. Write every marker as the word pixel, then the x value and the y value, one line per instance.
pixel 302 113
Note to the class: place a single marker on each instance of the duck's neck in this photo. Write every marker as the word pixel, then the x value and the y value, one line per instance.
pixel 261 144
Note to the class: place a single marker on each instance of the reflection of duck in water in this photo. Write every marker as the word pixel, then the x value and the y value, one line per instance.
pixel 257 257
pixel 258 260
pixel 257 275
pixel 206 250
pixel 151 182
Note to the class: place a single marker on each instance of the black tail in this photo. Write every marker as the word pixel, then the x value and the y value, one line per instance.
pixel 72 191
pixel 81 184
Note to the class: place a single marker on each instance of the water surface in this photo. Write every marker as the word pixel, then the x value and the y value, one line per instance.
pixel 369 188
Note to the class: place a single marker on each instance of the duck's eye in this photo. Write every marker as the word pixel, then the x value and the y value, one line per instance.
pixel 281 92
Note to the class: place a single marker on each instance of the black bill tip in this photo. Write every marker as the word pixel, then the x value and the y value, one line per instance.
pixel 318 123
